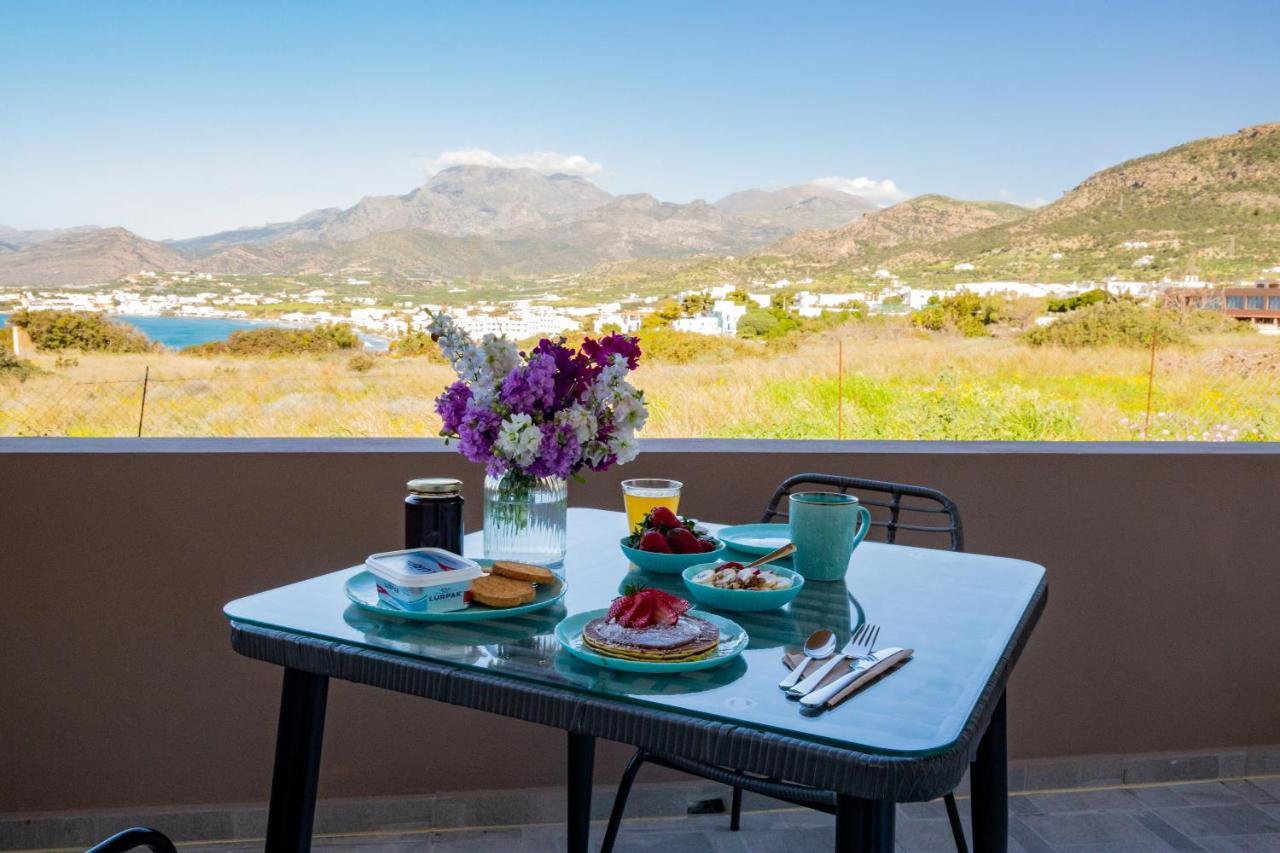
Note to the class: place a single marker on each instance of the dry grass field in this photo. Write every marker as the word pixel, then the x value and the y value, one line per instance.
pixel 895 386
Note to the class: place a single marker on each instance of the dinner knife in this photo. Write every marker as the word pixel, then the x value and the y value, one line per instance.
pixel 878 662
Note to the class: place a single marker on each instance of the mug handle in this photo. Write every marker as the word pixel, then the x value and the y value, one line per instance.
pixel 863 527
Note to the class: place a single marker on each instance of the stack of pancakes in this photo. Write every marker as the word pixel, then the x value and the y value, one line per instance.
pixel 689 639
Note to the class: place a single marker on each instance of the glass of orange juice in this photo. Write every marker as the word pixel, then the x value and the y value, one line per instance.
pixel 640 496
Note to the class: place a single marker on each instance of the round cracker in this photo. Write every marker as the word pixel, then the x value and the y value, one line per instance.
pixel 527 572
pixel 495 591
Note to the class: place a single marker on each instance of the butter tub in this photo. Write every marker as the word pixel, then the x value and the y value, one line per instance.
pixel 423 580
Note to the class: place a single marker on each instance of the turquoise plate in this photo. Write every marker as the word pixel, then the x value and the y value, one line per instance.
pixel 363 593
pixel 742 600
pixel 732 641
pixel 755 538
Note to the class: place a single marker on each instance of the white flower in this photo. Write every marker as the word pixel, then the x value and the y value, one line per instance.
pixel 595 452
pixel 580 420
pixel 625 447
pixel 519 440
pixel 629 408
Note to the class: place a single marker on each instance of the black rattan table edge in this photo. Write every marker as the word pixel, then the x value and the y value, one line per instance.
pixel 847 771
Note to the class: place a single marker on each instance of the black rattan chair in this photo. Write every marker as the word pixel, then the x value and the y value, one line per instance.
pixel 923 516
pixel 131 839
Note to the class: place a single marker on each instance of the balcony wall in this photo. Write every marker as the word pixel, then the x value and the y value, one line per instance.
pixel 120 688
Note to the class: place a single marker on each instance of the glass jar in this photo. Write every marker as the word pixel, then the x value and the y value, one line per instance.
pixel 433 514
pixel 525 518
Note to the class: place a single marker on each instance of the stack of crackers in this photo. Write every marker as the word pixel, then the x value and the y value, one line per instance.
pixel 510 584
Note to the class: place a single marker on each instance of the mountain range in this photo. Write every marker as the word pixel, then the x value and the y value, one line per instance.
pixel 1211 205
pixel 464 221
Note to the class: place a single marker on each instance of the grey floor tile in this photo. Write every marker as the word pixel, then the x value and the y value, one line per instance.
pixel 1116 847
pixel 1088 827
pixel 1024 839
pixel 1207 821
pixel 1174 838
pixel 1269 843
pixel 1270 784
pixel 919 836
pixel 1210 794
pixel 1101 800
pixel 1153 796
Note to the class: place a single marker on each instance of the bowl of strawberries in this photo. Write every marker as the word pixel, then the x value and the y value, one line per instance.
pixel 668 543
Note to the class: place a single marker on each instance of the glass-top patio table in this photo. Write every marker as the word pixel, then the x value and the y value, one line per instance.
pixel 908 737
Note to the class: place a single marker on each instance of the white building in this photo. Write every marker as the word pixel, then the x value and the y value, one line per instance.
pixel 729 313
pixel 705 324
pixel 627 323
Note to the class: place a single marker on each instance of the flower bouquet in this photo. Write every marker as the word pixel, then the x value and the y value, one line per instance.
pixel 534 420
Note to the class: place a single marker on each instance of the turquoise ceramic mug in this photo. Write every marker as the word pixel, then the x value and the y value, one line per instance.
pixel 826 527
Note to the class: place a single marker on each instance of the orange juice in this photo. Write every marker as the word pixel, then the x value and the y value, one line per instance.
pixel 641 496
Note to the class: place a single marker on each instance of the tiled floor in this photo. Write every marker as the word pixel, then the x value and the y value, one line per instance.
pixel 1221 817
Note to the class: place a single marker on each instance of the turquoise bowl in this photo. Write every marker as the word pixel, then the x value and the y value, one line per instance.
pixel 668 564
pixel 742 600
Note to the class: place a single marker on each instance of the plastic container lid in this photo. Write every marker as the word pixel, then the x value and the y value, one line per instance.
pixel 422 567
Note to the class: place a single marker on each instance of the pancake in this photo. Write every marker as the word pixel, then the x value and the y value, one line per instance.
pixel 689 639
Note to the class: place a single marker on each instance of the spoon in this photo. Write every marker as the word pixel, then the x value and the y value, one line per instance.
pixel 821 644
pixel 785 551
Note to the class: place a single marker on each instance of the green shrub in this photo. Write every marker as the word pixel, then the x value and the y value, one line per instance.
pixel 62 330
pixel 966 313
pixel 674 347
pixel 1080 300
pixel 758 324
pixel 417 344
pixel 1126 323
pixel 12 367
pixel 326 337
pixel 361 362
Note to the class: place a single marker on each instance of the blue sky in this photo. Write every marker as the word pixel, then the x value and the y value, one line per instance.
pixel 175 119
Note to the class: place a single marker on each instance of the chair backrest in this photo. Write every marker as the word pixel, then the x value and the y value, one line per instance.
pixel 926 513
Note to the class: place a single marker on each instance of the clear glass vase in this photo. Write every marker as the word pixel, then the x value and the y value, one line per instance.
pixel 525 518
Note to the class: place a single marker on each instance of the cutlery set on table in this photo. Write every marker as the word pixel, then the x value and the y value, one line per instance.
pixel 821 680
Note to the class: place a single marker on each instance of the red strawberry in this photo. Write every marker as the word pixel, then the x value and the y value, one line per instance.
pixel 616 608
pixel 707 544
pixel 653 540
pixel 683 541
pixel 660 516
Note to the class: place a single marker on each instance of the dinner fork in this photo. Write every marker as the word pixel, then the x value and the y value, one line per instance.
pixel 861 644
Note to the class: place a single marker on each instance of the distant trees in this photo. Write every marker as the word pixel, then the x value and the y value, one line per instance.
pixel 966 313
pixel 1126 323
pixel 89 332
pixel 1080 300
pixel 326 337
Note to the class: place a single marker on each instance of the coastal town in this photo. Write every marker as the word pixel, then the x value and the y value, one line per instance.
pixel 717 310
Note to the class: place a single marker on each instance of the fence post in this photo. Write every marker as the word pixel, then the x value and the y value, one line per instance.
pixel 840 389
pixel 142 409
pixel 1151 381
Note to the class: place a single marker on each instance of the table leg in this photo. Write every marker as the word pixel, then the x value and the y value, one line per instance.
pixel 293 781
pixel 864 826
pixel 582 750
pixel 989 787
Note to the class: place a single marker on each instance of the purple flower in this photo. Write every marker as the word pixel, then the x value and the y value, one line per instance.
pixel 452 405
pixel 477 432
pixel 571 381
pixel 603 350
pixel 559 453
pixel 531 387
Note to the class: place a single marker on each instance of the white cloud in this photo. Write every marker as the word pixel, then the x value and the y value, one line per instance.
pixel 547 162
pixel 881 192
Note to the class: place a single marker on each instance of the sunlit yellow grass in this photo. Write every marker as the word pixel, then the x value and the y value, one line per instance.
pixel 895 386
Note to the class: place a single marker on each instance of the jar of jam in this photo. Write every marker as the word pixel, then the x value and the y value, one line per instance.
pixel 433 514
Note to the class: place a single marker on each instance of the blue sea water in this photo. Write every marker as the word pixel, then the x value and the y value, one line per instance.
pixel 179 332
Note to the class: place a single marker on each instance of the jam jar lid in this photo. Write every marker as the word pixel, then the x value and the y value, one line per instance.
pixel 435 487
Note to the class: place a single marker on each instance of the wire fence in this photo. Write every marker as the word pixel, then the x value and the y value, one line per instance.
pixel 1177 394
pixel 388 404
